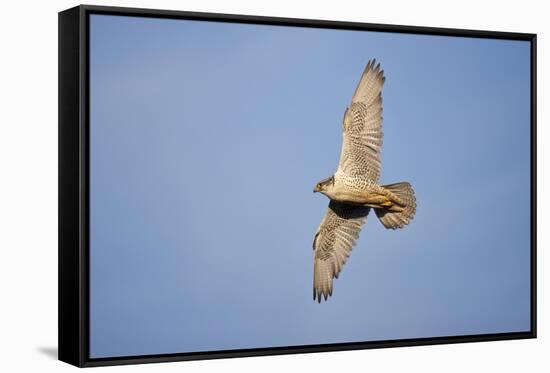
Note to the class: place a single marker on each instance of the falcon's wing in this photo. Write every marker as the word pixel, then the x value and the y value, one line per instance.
pixel 333 242
pixel 362 139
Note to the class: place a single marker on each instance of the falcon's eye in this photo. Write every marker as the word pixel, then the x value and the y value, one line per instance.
pixel 318 186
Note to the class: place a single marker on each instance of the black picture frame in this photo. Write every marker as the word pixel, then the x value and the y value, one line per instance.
pixel 74 184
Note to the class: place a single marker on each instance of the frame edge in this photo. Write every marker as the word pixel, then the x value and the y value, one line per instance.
pixel 306 22
pixel 534 185
pixel 69 193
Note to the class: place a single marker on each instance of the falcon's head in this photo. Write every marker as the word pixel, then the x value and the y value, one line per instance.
pixel 325 185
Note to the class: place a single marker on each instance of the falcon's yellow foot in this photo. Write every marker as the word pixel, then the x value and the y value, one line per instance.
pixel 387 203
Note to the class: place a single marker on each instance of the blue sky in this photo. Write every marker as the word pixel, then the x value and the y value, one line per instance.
pixel 206 141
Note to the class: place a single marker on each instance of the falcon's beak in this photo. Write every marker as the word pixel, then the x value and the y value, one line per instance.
pixel 316 189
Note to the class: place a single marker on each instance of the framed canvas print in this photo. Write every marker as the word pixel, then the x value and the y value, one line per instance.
pixel 238 186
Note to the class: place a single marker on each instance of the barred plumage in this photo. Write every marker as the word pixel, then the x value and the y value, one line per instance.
pixel 354 189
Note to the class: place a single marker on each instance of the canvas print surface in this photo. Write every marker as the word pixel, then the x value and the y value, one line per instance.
pixel 237 169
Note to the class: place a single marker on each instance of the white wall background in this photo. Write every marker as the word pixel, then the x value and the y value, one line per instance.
pixel 28 184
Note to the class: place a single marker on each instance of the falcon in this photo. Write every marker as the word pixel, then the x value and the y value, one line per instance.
pixel 354 189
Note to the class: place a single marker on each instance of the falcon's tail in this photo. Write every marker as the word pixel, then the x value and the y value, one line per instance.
pixel 402 211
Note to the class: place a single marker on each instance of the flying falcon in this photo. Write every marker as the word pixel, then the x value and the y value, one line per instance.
pixel 354 189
